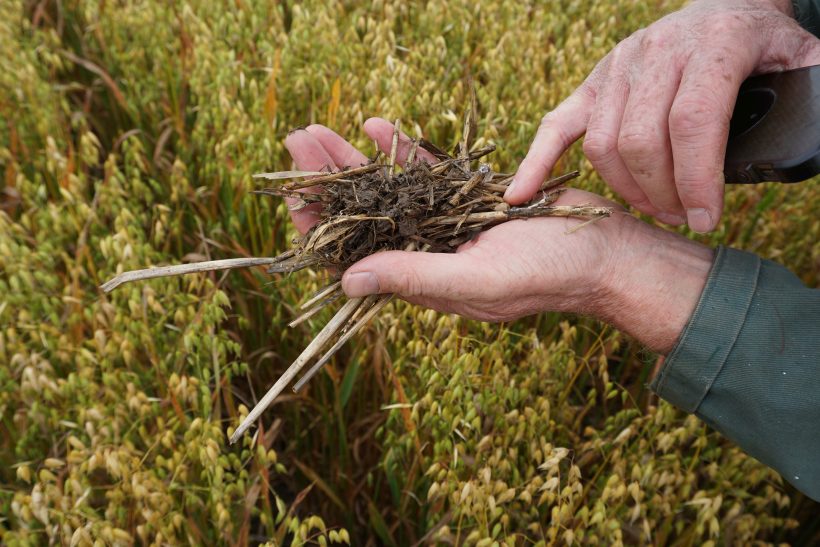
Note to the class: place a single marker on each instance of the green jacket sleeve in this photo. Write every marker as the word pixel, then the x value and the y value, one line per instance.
pixel 807 13
pixel 748 364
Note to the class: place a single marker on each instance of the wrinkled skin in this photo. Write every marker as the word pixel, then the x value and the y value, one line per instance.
pixel 524 267
pixel 656 109
pixel 656 113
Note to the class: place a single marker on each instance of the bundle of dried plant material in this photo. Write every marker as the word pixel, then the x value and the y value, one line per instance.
pixel 378 207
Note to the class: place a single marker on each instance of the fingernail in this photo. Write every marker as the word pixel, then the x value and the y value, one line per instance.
pixel 509 189
pixel 699 220
pixel 670 218
pixel 360 284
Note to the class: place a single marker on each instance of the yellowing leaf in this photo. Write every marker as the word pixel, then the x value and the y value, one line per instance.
pixel 270 94
pixel 335 100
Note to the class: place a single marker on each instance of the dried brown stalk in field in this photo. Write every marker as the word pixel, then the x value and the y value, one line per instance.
pixel 377 207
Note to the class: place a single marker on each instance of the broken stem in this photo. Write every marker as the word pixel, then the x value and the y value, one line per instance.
pixel 411 155
pixel 310 351
pixel 316 309
pixel 182 269
pixel 320 294
pixel 369 168
pixel 558 181
pixel 279 175
pixel 380 303
pixel 394 147
pixel 581 211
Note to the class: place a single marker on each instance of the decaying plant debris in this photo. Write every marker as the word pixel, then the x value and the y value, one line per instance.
pixel 377 207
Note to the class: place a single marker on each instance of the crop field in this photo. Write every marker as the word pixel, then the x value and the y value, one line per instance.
pixel 129 132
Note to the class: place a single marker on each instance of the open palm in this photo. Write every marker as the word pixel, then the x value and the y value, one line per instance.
pixel 515 269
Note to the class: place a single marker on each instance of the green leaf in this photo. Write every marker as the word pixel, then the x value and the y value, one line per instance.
pixel 378 524
pixel 348 381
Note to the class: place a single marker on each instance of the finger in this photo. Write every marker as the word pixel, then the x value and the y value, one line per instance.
pixel 699 129
pixel 342 152
pixel 558 129
pixel 699 119
pixel 307 152
pixel 381 131
pixel 411 275
pixel 643 143
pixel 309 155
pixel 601 141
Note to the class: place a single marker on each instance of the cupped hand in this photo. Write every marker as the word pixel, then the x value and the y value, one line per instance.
pixel 514 269
pixel 644 280
pixel 656 109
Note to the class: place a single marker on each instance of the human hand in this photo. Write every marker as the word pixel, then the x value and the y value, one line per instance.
pixel 656 109
pixel 318 148
pixel 642 279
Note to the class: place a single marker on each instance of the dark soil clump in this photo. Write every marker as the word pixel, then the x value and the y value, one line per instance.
pixel 432 208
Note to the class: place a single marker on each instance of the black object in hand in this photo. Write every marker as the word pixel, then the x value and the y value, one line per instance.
pixel 775 128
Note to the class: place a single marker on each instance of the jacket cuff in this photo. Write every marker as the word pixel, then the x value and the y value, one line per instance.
pixel 707 340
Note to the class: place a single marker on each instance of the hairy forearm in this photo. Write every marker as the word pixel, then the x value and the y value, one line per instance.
pixel 655 284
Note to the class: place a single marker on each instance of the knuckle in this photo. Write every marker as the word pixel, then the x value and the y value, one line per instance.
pixel 622 52
pixel 724 22
pixel 656 39
pixel 547 120
pixel 599 146
pixel 410 283
pixel 693 115
pixel 636 143
pixel 551 124
pixel 587 90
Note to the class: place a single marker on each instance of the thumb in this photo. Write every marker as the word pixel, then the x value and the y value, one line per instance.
pixel 558 130
pixel 409 274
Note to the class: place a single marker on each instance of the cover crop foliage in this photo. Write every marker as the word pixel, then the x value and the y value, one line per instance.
pixel 129 132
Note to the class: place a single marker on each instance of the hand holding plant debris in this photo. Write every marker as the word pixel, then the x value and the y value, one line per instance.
pixel 656 109
pixel 464 249
pixel 514 269
pixel 640 278
pixel 398 201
